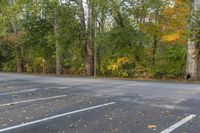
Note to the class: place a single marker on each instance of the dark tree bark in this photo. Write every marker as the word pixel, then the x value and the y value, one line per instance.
pixel 154 50
pixel 155 38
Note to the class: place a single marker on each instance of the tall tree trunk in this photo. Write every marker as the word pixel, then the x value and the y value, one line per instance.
pixel 154 50
pixel 88 35
pixel 193 52
pixel 57 46
pixel 17 47
pixel 89 59
pixel 155 38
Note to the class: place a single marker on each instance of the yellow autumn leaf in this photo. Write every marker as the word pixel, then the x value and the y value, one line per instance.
pixel 116 65
pixel 169 11
pixel 171 37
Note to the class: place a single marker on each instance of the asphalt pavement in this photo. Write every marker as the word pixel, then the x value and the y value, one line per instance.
pixel 49 104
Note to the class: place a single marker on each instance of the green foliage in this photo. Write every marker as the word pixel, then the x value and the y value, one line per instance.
pixel 9 66
pixel 124 41
pixel 171 62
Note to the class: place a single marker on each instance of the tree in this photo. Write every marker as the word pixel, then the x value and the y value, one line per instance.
pixel 193 52
pixel 15 33
pixel 88 34
pixel 123 38
pixel 57 45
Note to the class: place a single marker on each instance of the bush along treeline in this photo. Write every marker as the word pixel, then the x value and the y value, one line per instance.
pixel 113 38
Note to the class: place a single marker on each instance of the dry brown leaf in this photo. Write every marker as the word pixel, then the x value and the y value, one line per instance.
pixel 152 126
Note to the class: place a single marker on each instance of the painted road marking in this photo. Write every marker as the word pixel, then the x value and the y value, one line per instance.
pixel 17 92
pixel 178 124
pixel 32 100
pixel 63 88
pixel 54 117
pixel 31 90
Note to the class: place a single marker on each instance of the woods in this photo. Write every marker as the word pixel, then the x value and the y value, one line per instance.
pixel 112 38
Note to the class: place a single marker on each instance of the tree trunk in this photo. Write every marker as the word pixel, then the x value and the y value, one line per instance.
pixel 17 51
pixel 193 52
pixel 192 61
pixel 57 46
pixel 58 63
pixel 89 59
pixel 18 59
pixel 88 35
pixel 155 38
pixel 154 50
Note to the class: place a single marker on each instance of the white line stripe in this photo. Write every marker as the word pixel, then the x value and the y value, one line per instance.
pixel 32 100
pixel 17 92
pixel 54 117
pixel 63 88
pixel 47 88
pixel 178 124
pixel 60 88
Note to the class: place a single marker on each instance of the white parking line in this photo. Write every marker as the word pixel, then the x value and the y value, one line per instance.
pixel 32 100
pixel 178 124
pixel 17 92
pixel 63 88
pixel 31 90
pixel 54 117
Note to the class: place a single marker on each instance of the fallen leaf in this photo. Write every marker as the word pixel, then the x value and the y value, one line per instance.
pixel 152 126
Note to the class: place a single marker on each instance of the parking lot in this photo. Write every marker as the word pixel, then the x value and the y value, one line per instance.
pixel 43 104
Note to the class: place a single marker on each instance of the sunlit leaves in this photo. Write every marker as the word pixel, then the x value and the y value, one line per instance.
pixel 171 37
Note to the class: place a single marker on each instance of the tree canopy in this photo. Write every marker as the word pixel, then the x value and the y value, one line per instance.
pixel 115 38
